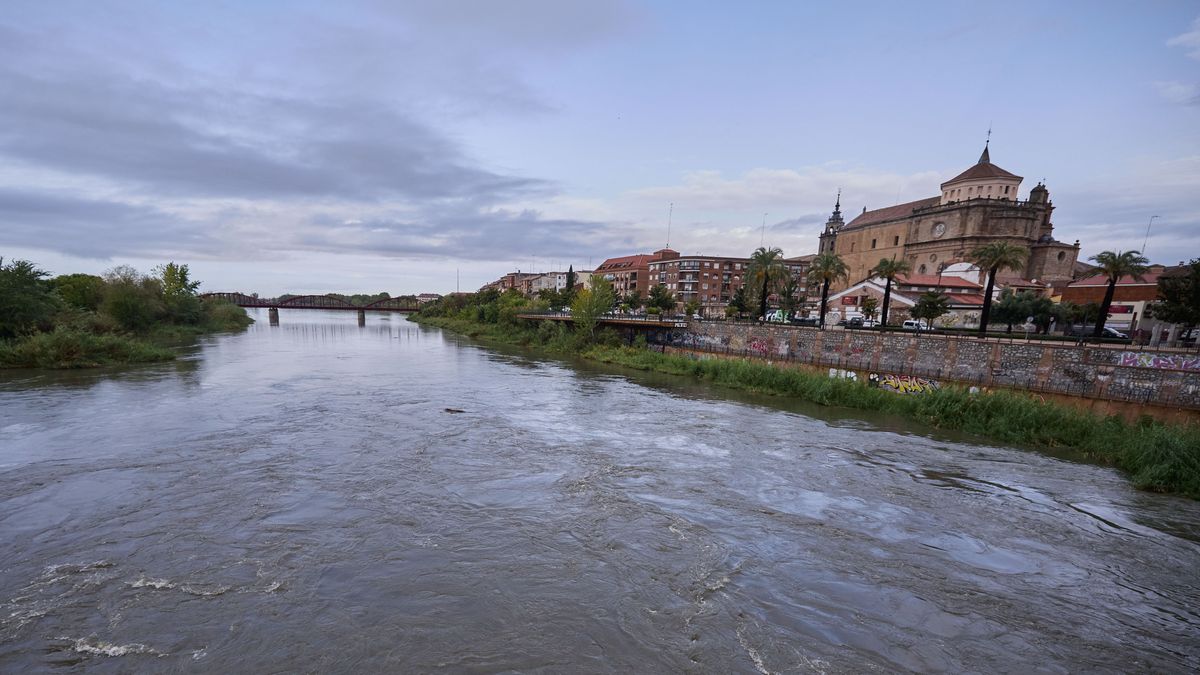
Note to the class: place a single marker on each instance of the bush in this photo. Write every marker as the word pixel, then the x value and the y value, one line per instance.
pixel 26 300
pixel 67 348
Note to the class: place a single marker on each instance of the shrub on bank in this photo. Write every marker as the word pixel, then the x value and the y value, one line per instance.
pixel 68 348
pixel 79 320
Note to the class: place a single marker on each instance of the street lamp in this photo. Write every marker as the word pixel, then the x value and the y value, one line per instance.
pixel 1147 239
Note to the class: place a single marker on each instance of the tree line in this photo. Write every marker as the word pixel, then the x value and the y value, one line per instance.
pixel 84 319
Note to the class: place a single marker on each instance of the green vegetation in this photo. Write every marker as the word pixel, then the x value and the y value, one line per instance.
pixel 1114 265
pixel 930 305
pixel 1179 296
pixel 995 258
pixel 827 268
pixel 1157 456
pixel 84 321
pixel 764 272
pixel 888 269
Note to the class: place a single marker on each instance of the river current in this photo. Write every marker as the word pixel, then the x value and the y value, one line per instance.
pixel 323 497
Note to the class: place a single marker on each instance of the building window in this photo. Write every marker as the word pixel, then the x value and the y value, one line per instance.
pixel 921 270
pixel 872 243
pixel 1062 255
pixel 1006 189
pixel 896 240
pixel 852 247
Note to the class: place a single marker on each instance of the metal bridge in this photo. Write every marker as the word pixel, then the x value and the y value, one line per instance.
pixel 314 302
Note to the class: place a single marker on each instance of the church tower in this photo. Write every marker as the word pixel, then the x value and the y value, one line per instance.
pixel 835 223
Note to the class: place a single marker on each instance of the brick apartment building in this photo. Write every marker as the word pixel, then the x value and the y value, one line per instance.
pixel 709 280
pixel 631 273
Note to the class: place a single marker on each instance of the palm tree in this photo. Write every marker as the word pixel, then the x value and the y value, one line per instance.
pixel 889 269
pixel 995 258
pixel 766 266
pixel 826 268
pixel 1114 265
pixel 930 306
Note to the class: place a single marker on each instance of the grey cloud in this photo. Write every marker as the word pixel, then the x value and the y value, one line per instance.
pixel 91 228
pixel 210 143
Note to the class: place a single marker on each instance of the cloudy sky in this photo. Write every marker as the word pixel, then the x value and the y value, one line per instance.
pixel 379 145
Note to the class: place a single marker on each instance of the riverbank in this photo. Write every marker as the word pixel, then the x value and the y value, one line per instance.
pixel 1157 457
pixel 86 321
pixel 86 341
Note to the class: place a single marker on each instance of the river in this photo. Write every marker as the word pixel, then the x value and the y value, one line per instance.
pixel 304 498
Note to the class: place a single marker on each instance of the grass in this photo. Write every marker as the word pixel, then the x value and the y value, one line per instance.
pixel 1157 456
pixel 91 340
pixel 66 348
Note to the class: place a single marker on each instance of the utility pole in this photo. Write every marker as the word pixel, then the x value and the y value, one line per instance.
pixel 762 237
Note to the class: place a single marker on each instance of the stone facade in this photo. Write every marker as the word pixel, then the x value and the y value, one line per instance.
pixel 977 208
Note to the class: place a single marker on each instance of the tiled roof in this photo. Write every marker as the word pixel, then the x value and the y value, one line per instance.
pixel 1148 279
pixel 890 213
pixel 943 281
pixel 624 262
pixel 956 299
pixel 982 170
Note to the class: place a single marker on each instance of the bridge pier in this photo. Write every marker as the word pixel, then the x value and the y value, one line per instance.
pixel 362 317
pixel 273 316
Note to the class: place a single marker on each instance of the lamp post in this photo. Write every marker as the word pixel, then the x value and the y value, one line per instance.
pixel 1147 239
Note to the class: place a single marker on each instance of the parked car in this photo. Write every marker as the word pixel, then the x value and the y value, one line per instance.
pixel 913 324
pixel 804 321
pixel 860 322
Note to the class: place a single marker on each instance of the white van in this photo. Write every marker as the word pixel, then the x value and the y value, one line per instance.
pixel 913 324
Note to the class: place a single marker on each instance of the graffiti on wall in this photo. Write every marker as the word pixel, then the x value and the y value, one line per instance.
pixel 903 384
pixel 838 373
pixel 1162 361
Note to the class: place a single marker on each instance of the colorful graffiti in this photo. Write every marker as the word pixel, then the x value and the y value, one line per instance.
pixel 903 384
pixel 1161 361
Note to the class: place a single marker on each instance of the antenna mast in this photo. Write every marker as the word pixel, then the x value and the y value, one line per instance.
pixel 670 213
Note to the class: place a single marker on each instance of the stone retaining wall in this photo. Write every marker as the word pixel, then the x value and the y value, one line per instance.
pixel 1102 372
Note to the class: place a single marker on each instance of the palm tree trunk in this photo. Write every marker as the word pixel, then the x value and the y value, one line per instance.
pixel 1104 306
pixel 824 300
pixel 762 304
pixel 887 299
pixel 987 302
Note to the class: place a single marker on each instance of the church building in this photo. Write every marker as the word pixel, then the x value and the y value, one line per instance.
pixel 979 206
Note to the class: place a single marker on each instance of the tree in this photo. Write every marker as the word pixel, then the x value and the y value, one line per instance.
pixel 1179 296
pixel 135 301
pixel 81 291
pixel 765 269
pixel 930 306
pixel 1011 309
pixel 888 269
pixel 787 295
pixel 179 293
pixel 825 269
pixel 869 305
pixel 661 299
pixel 590 304
pixel 739 302
pixel 995 258
pixel 26 300
pixel 691 308
pixel 635 299
pixel 568 292
pixel 1114 265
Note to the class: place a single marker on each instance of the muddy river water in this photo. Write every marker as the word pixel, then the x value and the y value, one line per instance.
pixel 305 498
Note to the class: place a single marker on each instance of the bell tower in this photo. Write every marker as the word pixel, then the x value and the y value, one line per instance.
pixel 835 223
